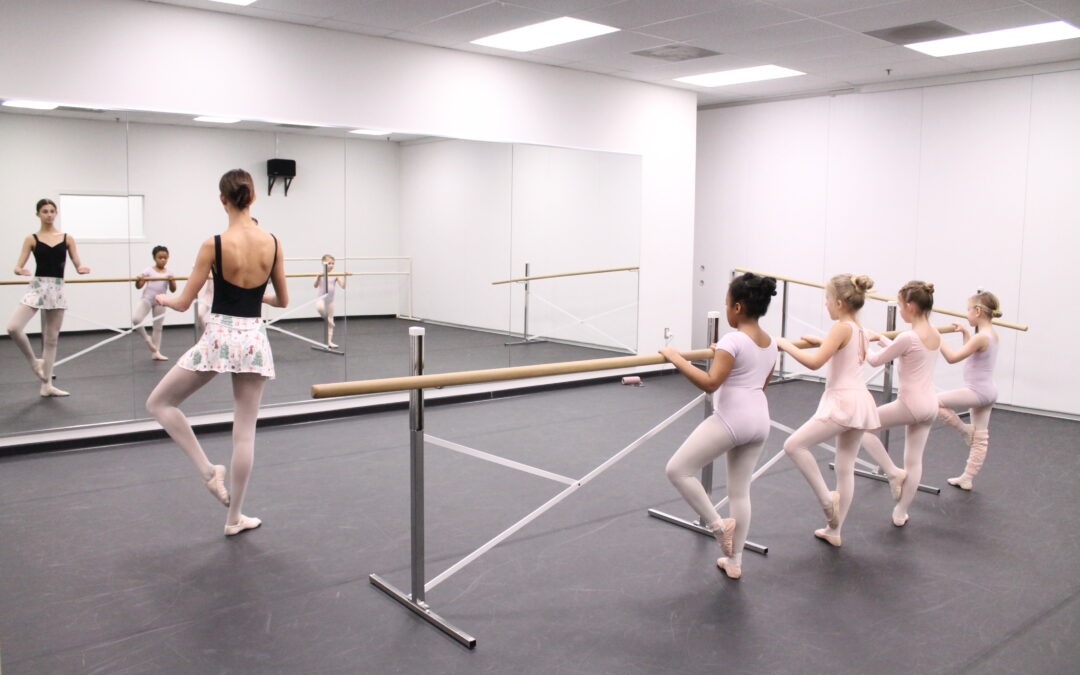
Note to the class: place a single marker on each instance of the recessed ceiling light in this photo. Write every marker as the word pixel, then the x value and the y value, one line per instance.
pixel 217 120
pixel 545 34
pixel 30 105
pixel 998 39
pixel 370 132
pixel 241 3
pixel 739 76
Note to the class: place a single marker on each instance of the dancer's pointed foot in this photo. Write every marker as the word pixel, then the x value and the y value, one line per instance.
pixel 216 485
pixel 899 519
pixel 48 390
pixel 963 481
pixel 724 531
pixel 245 523
pixel 38 366
pixel 825 535
pixel 832 511
pixel 158 356
pixel 896 484
pixel 730 569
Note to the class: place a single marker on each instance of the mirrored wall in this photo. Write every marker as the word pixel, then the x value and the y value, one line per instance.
pixel 509 254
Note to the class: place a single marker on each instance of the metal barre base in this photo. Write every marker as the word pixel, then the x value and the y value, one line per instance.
pixel 423 612
pixel 526 341
pixel 681 522
pixel 328 350
pixel 885 479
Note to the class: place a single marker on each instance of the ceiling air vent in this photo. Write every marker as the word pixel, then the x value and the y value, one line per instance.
pixel 915 32
pixel 675 53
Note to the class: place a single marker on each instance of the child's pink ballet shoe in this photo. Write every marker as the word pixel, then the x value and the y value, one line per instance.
pixel 216 485
pixel 832 511
pixel 725 534
pixel 730 569
pixel 896 484
pixel 823 535
pixel 963 481
pixel 245 523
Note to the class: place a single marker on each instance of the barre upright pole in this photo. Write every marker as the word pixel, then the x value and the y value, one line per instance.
pixel 415 601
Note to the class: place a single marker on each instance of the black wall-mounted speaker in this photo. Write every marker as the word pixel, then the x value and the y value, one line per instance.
pixel 281 168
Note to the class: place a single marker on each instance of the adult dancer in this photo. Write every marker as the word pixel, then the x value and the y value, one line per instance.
pixel 243 259
pixel 916 405
pixel 846 406
pixel 741 368
pixel 51 249
pixel 325 304
pixel 153 281
pixel 979 353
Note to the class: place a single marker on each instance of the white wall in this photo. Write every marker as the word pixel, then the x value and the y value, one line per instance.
pixel 212 63
pixel 964 185
pixel 177 168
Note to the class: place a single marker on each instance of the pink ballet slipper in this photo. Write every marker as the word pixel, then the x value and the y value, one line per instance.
pixel 38 366
pixel 899 521
pixel 824 535
pixel 730 569
pixel 245 523
pixel 724 532
pixel 832 511
pixel 896 484
pixel 47 390
pixel 216 485
pixel 963 481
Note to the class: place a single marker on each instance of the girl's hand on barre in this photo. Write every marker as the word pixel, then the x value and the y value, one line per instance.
pixel 668 352
pixel 812 340
pixel 82 269
pixel 872 335
pixel 22 271
pixel 166 300
pixel 961 328
pixel 784 344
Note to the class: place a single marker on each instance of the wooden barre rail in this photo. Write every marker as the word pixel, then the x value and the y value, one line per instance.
pixel 388 384
pixel 120 280
pixel 564 274
pixel 883 298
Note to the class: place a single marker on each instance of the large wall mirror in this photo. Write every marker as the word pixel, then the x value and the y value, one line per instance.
pixel 511 254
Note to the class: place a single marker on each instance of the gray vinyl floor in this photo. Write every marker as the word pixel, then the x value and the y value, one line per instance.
pixel 113 560
pixel 111 382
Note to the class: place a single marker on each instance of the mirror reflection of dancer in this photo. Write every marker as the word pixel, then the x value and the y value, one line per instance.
pixel 741 367
pixel 916 405
pixel 153 281
pixel 979 392
pixel 242 260
pixel 846 407
pixel 325 304
pixel 51 249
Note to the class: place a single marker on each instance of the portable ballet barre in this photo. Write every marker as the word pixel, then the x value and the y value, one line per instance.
pixel 527 280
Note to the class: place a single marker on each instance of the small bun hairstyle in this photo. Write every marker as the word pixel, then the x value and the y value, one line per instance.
pixel 44 202
pixel 919 293
pixel 237 187
pixel 987 302
pixel 851 289
pixel 753 292
pixel 158 249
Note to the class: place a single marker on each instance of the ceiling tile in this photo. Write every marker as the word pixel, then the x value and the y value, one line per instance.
pixel 735 19
pixel 823 7
pixel 997 19
pixel 611 50
pixel 912 11
pixel 560 7
pixel 402 14
pixel 479 22
pixel 901 70
pixel 631 14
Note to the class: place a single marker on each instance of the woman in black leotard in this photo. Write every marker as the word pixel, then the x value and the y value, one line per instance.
pixel 243 259
pixel 51 249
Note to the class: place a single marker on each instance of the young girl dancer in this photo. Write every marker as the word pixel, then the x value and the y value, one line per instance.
pixel 741 368
pixel 916 405
pixel 846 407
pixel 153 281
pixel 979 392
pixel 242 260
pixel 51 249
pixel 325 304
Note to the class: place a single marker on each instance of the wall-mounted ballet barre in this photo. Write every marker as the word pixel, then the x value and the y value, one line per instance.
pixel 875 296
pixel 121 280
pixel 563 274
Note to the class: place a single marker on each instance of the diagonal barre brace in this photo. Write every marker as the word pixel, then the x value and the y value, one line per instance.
pixel 576 320
pixel 120 333
pixel 495 459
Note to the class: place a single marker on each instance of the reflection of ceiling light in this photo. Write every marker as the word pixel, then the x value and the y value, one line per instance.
pixel 30 105
pixel 998 39
pixel 217 120
pixel 544 34
pixel 242 3
pixel 739 76
pixel 370 132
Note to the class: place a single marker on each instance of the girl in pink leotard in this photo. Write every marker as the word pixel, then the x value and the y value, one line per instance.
pixel 979 392
pixel 846 407
pixel 916 406
pixel 740 370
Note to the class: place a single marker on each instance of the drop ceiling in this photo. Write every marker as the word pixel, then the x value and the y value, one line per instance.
pixel 826 39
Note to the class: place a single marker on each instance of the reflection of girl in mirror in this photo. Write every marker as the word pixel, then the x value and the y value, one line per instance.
pixel 740 370
pixel 51 249
pixel 153 281
pixel 243 259
pixel 325 304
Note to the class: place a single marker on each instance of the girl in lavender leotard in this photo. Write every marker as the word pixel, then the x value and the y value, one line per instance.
pixel 916 406
pixel 739 425
pixel 979 392
pixel 846 407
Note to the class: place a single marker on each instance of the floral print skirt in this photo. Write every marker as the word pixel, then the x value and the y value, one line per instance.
pixel 231 344
pixel 45 293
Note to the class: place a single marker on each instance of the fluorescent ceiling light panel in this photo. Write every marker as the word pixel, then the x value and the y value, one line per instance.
pixel 217 120
pixel 998 39
pixel 31 105
pixel 241 3
pixel 370 132
pixel 545 34
pixel 739 76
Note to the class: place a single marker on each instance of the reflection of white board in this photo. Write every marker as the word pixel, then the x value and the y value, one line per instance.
pixel 102 217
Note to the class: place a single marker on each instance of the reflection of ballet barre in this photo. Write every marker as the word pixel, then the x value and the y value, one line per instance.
pixel 875 296
pixel 564 274
pixel 120 280
pixel 370 257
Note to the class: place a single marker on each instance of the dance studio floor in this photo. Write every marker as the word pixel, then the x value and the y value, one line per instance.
pixel 113 559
